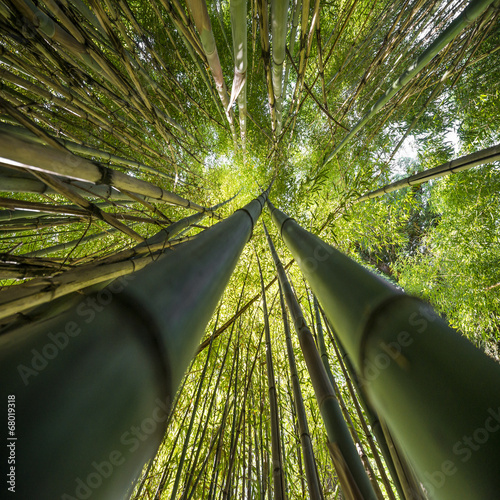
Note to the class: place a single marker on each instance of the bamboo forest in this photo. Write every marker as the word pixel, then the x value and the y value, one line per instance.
pixel 250 249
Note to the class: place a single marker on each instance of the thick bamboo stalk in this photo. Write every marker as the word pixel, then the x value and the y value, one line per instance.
pixel 266 57
pixel 411 364
pixel 125 359
pixel 87 150
pixel 239 88
pixel 379 435
pixel 482 157
pixel 201 18
pixel 375 423
pixel 297 10
pixel 279 24
pixel 50 161
pixel 344 454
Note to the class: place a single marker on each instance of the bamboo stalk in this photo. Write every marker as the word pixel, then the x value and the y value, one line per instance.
pixel 313 484
pixel 347 462
pixel 375 321
pixel 380 437
pixel 482 157
pixel 50 161
pixel 201 18
pixel 279 20
pixel 239 88
pixel 266 56
pixel 147 367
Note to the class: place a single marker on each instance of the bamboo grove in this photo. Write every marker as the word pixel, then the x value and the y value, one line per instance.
pixel 209 215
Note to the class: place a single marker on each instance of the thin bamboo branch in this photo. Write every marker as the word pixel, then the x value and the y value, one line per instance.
pixel 482 157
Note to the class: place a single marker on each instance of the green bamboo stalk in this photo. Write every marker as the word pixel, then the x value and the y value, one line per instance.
pixel 27 295
pixel 107 353
pixel 225 491
pixel 205 462
pixel 347 417
pixel 239 88
pixel 404 353
pixel 371 414
pixel 87 150
pixel 279 22
pixel 20 208
pixel 265 47
pixel 209 414
pixel 347 462
pixel 482 157
pixel 19 181
pixel 313 484
pixel 276 443
pixel 25 184
pixel 474 9
pixel 380 436
pixel 167 468
pixel 250 457
pixel 297 10
pixel 201 18
pixel 50 161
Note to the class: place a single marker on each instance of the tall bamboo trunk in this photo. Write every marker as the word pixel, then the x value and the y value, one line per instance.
pixel 313 484
pixel 118 361
pixel 354 481
pixel 412 367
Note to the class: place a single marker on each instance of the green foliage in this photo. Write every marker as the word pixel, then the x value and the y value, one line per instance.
pixel 456 268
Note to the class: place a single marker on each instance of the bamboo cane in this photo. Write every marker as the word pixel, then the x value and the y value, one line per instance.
pixel 313 483
pixel 47 160
pixel 347 463
pixel 279 20
pixel 147 368
pixel 482 157
pixel 380 437
pixel 376 322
